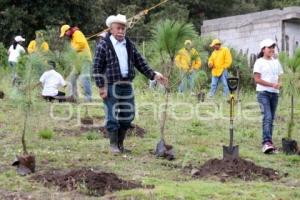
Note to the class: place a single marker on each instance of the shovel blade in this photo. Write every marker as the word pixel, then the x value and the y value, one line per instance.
pixel 230 152
pixel 164 150
pixel 160 148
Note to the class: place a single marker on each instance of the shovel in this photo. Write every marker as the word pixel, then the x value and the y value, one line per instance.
pixel 231 151
pixel 87 120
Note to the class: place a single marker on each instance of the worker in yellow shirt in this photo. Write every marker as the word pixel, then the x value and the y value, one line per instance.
pixel 39 44
pixel 219 61
pixel 80 45
pixel 188 60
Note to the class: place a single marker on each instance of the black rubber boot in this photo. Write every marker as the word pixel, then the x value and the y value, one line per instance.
pixel 122 135
pixel 113 139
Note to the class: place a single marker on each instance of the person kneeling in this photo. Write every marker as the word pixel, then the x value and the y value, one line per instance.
pixel 51 81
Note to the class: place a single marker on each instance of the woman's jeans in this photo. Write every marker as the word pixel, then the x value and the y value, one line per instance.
pixel 268 103
pixel 14 71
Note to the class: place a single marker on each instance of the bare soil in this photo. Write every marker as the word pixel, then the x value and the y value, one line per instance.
pixel 87 181
pixel 234 168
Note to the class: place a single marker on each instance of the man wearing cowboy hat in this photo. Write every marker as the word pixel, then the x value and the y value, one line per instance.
pixel 116 58
pixel 80 45
pixel 219 61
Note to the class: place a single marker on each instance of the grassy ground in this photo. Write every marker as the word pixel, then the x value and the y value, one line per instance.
pixel 196 130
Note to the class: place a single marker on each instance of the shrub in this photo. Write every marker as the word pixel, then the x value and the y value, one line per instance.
pixel 3 56
pixel 92 136
pixel 240 60
pixel 46 134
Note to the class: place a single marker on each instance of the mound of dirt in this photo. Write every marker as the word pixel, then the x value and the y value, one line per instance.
pixel 87 181
pixel 25 164
pixel 234 168
pixel 134 130
pixel 87 121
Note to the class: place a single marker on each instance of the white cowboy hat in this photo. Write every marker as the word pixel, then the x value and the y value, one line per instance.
pixel 121 19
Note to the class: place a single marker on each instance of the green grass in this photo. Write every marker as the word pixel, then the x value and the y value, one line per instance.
pixel 196 138
pixel 92 136
pixel 46 134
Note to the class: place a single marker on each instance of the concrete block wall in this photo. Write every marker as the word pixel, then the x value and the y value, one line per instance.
pixel 244 32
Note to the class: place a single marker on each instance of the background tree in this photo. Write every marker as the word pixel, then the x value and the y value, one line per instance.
pixel 25 16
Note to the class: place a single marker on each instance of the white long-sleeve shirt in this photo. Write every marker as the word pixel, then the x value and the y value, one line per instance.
pixel 121 51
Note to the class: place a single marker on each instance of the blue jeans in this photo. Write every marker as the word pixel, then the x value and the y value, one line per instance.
pixel 268 103
pixel 119 107
pixel 215 81
pixel 187 82
pixel 14 71
pixel 86 84
pixel 84 74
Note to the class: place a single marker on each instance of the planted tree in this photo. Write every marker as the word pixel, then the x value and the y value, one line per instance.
pixel 291 86
pixel 168 38
pixel 200 81
pixel 25 97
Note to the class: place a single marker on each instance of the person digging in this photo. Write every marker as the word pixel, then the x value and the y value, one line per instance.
pixel 82 72
pixel 79 43
pixel 115 60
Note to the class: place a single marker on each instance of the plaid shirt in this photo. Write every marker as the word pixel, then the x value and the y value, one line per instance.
pixel 106 68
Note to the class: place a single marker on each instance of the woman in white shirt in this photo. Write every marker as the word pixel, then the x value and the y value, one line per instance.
pixel 14 53
pixel 267 71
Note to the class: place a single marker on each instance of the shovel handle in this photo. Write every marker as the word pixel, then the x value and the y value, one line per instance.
pixel 231 136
